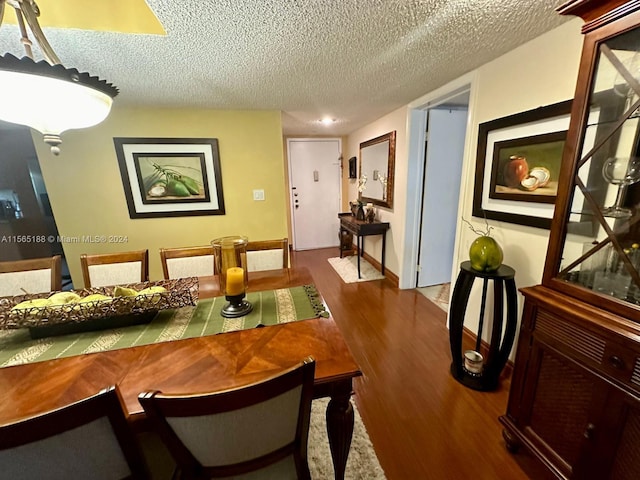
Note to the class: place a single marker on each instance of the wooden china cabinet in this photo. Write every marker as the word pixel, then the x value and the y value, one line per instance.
pixel 575 392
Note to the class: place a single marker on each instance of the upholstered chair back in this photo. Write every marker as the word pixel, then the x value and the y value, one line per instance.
pixel 87 439
pixel 262 427
pixel 187 262
pixel 30 276
pixel 267 255
pixel 103 270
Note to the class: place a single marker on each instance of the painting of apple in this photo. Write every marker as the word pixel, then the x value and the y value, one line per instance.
pixel 515 171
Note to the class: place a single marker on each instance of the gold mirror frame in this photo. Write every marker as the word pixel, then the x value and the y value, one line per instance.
pixel 377 162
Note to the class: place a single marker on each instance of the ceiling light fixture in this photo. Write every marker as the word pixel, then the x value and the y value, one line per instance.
pixel 327 121
pixel 45 95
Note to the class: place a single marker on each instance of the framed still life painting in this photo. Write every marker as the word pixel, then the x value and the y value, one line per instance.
pixel 169 177
pixel 518 164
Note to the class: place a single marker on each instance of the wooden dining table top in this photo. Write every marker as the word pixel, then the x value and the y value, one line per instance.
pixel 185 366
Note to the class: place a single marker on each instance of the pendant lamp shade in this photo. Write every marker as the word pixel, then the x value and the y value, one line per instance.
pixel 45 95
pixel 51 98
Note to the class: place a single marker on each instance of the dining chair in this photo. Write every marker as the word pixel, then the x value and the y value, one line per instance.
pixel 36 275
pixel 259 430
pixel 267 255
pixel 106 269
pixel 86 439
pixel 187 262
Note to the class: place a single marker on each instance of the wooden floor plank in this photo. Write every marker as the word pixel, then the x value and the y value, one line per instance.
pixel 422 422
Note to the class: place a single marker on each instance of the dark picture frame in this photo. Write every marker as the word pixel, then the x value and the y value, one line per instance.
pixel 353 166
pixel 170 177
pixel 540 134
pixel 377 160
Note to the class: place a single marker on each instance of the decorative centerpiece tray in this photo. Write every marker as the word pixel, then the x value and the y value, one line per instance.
pixel 113 307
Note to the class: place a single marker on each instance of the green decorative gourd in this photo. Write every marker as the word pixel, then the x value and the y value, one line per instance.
pixel 485 254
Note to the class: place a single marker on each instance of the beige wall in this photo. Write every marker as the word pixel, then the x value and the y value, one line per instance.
pixel 540 72
pixel 396 120
pixel 87 195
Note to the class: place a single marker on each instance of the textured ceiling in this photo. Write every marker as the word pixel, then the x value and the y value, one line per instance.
pixel 351 60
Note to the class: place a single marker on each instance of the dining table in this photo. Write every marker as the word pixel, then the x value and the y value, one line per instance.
pixel 200 364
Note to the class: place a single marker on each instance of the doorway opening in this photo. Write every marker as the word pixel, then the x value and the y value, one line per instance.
pixel 437 138
pixel 27 226
pixel 444 151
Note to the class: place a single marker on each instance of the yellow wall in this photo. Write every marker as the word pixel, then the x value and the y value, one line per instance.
pixel 87 196
pixel 128 16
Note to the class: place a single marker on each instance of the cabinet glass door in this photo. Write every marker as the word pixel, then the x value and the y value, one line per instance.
pixel 601 250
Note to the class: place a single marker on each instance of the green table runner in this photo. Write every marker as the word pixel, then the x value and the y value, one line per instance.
pixel 269 308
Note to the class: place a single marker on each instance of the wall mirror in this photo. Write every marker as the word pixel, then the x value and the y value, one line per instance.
pixel 377 162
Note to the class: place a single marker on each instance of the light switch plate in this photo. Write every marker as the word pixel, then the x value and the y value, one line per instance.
pixel 258 194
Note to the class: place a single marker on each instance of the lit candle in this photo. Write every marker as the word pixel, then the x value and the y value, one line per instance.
pixel 235 281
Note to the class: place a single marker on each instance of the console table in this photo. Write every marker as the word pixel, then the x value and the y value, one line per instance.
pixel 361 229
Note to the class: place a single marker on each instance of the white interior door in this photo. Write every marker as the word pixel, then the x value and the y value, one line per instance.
pixel 314 173
pixel 445 149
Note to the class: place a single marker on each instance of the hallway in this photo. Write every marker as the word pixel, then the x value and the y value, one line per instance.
pixel 423 424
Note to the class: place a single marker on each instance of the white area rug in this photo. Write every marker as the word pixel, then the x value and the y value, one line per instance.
pixel 362 463
pixel 438 294
pixel 347 268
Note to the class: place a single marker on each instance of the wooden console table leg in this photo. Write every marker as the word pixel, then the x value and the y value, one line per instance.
pixel 384 247
pixel 360 252
pixel 340 418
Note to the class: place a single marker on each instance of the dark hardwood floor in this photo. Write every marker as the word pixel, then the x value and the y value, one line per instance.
pixel 422 423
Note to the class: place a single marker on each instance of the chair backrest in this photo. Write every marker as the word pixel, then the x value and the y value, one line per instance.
pixel 86 439
pixel 34 276
pixel 106 269
pixel 267 255
pixel 187 262
pixel 258 427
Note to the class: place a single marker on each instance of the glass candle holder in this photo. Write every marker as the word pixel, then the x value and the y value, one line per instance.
pixel 230 257
pixel 473 362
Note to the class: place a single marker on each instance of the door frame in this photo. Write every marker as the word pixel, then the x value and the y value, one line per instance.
pixel 416 129
pixel 288 140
